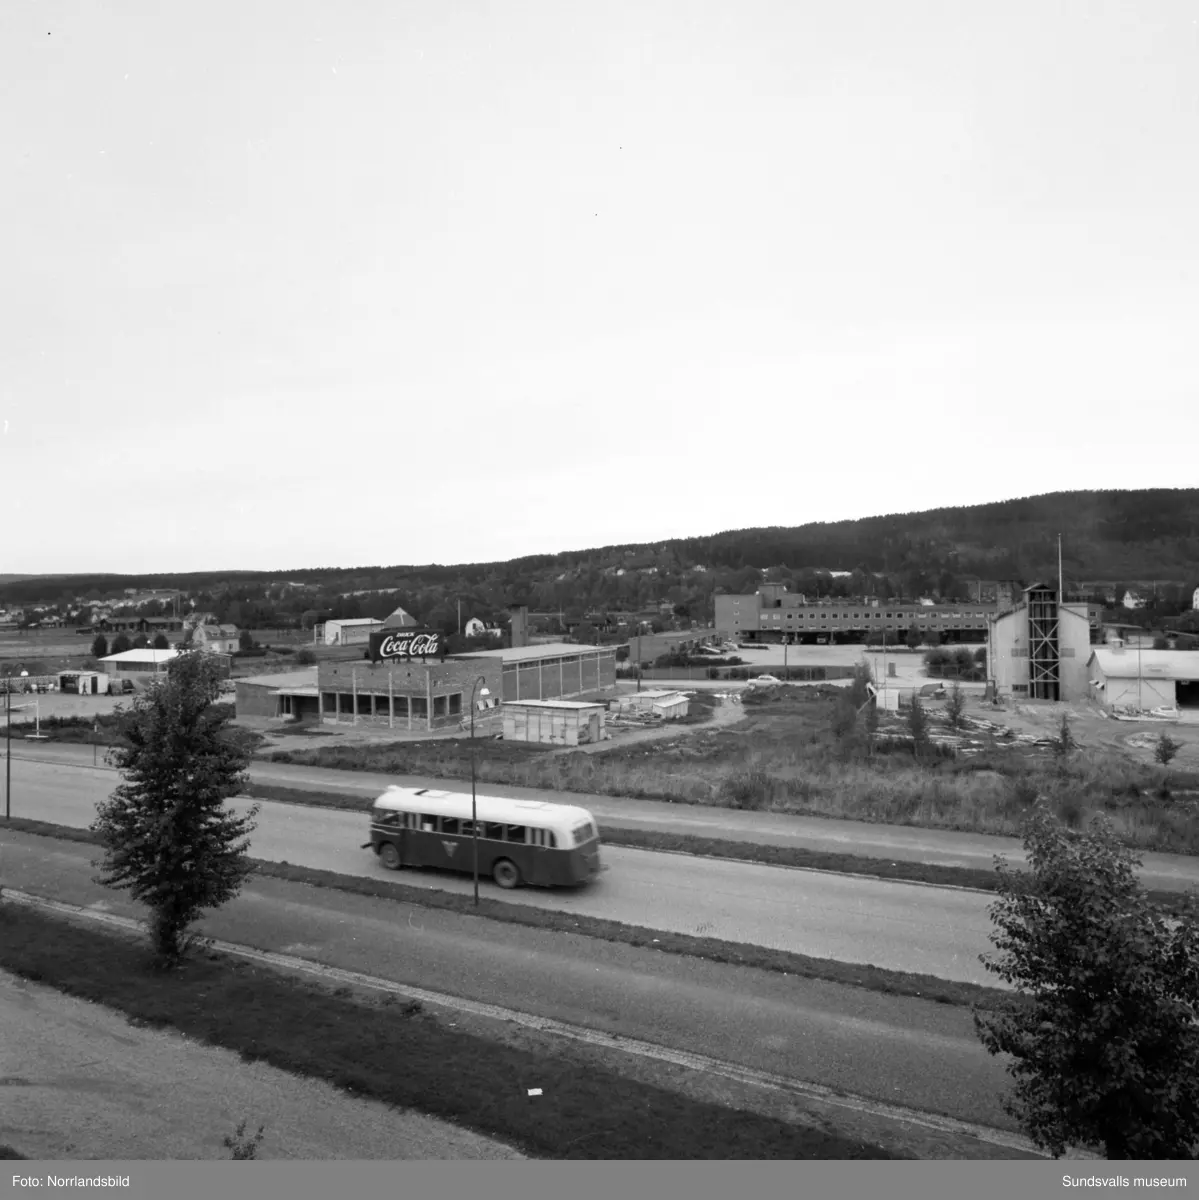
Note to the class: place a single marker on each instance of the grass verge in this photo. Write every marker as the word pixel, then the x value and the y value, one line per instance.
pixel 411 1061
pixel 762 958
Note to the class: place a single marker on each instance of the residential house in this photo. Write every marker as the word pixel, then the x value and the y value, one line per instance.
pixel 215 639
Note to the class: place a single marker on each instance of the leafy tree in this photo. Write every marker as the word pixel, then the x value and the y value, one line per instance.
pixel 245 641
pixel 955 707
pixel 1103 1036
pixel 305 657
pixel 99 646
pixel 160 642
pixel 121 643
pixel 141 642
pixel 912 637
pixel 1160 643
pixel 168 838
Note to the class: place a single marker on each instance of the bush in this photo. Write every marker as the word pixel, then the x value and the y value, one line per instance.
pixel 306 656
pixel 750 790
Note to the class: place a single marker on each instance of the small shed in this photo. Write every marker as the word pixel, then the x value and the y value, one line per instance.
pixel 667 704
pixel 83 683
pixel 557 722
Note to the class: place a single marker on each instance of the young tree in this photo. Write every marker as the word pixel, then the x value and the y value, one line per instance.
pixel 1165 749
pixel 168 838
pixel 955 707
pixel 913 637
pixel 245 641
pixel 121 643
pixel 1064 744
pixel 100 646
pixel 918 726
pixel 1103 1036
pixel 160 642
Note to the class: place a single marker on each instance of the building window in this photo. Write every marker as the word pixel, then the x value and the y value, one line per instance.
pixel 439 706
pixel 455 704
pixel 329 700
pixel 420 707
pixel 401 705
pixel 364 704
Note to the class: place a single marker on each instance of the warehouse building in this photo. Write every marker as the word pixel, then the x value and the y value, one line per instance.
pixel 137 665
pixel 286 694
pixel 1140 680
pixel 1039 648
pixel 407 694
pixel 556 722
pixel 772 614
pixel 557 670
pixel 355 631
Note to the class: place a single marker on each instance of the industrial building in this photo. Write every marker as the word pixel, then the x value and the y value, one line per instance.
pixel 649 647
pixel 137 665
pixel 1038 648
pixel 353 631
pixel 557 722
pixel 1140 680
pixel 406 694
pixel 556 670
pixel 772 614
pixel 291 694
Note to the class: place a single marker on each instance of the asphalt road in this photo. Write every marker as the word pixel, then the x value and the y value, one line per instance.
pixel 903 927
pixel 945 847
pixel 898 1050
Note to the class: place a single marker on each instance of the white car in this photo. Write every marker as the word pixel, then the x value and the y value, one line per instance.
pixel 763 680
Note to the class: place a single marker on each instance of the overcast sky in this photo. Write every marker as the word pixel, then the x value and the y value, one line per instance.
pixel 299 284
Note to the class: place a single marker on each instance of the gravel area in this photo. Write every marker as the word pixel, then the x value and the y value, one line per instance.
pixel 77 1081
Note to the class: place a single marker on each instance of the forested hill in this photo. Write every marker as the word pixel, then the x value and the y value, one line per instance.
pixel 1126 537
pixel 1105 535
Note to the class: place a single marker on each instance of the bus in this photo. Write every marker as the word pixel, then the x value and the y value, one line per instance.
pixel 520 841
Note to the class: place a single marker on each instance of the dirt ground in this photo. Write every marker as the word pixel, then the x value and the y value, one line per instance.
pixel 82 1083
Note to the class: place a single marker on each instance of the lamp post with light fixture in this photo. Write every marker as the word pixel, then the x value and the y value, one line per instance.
pixel 474 812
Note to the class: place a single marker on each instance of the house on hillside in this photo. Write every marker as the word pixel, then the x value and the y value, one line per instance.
pixel 215 639
pixel 1132 599
pixel 474 628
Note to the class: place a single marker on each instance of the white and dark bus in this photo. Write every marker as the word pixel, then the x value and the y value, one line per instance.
pixel 520 841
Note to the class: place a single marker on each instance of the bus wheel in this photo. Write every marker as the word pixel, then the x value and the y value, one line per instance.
pixel 389 856
pixel 506 874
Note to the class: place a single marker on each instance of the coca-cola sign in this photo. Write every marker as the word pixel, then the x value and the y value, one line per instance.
pixel 406 643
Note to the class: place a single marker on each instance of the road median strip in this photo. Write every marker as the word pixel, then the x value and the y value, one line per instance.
pixel 784 962
pixel 397 1054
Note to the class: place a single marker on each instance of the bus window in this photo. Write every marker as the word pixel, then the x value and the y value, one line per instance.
pixel 544 837
pixel 467 829
pixel 450 824
pixel 516 833
pixel 428 823
pixel 493 830
pixel 389 818
pixel 584 833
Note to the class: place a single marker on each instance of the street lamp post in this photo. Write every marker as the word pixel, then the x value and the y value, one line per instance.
pixel 8 743
pixel 474 811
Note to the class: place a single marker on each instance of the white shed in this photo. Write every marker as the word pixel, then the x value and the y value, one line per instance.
pixel 353 631
pixel 668 704
pixel 1142 680
pixel 559 722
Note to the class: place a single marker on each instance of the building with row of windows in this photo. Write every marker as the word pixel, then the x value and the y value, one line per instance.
pixel 414 695
pixel 772 614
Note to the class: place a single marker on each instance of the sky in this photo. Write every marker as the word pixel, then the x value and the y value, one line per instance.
pixel 294 284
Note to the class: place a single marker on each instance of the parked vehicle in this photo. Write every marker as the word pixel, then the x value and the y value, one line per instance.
pixel 519 841
pixel 763 681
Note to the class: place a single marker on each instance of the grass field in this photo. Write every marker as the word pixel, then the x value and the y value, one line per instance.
pixel 783 757
pixel 403 1056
